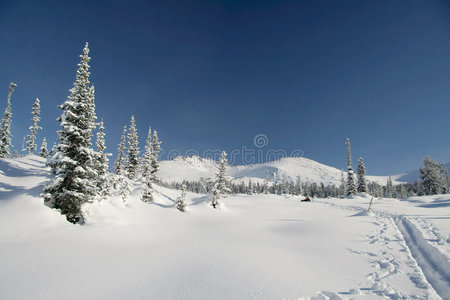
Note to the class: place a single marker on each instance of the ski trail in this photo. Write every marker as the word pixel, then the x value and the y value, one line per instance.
pixel 434 265
pixel 391 258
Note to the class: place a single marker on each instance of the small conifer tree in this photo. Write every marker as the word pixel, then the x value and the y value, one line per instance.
pixel 121 153
pixel 5 126
pixel 133 150
pixel 101 164
pixel 221 183
pixel 351 187
pixel 44 151
pixel 362 185
pixel 31 143
pixel 180 204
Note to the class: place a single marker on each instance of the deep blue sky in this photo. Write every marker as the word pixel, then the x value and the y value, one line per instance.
pixel 213 74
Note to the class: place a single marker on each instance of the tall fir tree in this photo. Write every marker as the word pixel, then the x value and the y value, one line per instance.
pixel 31 142
pixel 362 184
pixel 147 159
pixel 133 150
pixel 119 163
pixel 5 126
pixel 154 163
pixel 101 163
pixel 150 165
pixel 221 184
pixel 23 149
pixel 351 187
pixel 43 148
pixel 72 162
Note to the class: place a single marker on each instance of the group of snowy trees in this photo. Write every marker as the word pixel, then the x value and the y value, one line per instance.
pixel 350 187
pixel 433 178
pixel 29 142
pixel 81 173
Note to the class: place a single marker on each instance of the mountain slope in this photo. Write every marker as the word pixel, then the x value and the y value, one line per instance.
pixel 288 169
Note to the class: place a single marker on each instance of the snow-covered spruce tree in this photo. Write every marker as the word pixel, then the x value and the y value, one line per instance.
pixel 72 162
pixel 52 151
pixel 146 160
pixel 5 125
pixel 23 149
pixel 362 185
pixel 446 179
pixel 221 183
pixel 44 151
pixel 342 186
pixel 31 142
pixel 180 204
pixel 298 186
pixel 147 193
pixel 390 191
pixel 351 187
pixel 120 153
pixel 432 176
pixel 403 192
pixel 124 188
pixel 250 187
pixel 265 188
pixel 101 164
pixel 133 150
pixel 154 163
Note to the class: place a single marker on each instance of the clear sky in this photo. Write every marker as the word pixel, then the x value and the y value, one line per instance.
pixel 213 74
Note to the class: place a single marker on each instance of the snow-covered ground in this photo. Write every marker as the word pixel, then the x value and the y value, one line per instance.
pixel 289 168
pixel 256 247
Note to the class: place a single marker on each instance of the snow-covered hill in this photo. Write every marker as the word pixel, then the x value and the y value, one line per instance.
pixel 256 247
pixel 288 169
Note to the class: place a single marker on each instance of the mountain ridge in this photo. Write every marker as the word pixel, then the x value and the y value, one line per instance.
pixel 193 168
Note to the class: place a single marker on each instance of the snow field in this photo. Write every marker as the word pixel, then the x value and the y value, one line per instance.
pixel 256 247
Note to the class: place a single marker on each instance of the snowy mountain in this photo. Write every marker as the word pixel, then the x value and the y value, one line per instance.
pixel 288 169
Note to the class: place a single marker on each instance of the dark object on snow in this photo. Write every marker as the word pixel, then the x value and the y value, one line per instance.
pixel 306 199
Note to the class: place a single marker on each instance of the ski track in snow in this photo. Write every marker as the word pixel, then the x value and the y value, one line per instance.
pixel 429 268
pixel 434 265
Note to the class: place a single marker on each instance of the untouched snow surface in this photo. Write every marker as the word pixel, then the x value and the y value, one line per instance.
pixel 194 168
pixel 256 247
